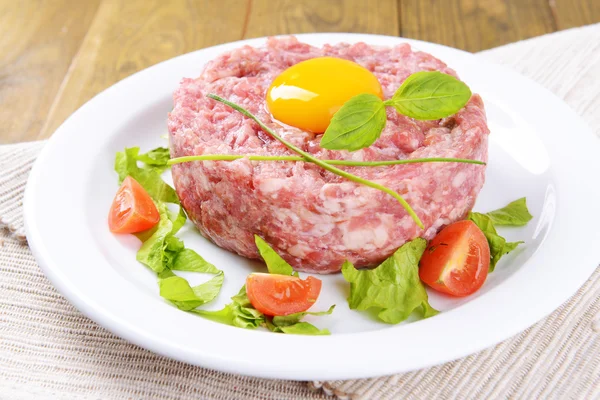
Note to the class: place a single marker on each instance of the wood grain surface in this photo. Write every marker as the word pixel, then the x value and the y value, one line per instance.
pixel 38 40
pixel 56 55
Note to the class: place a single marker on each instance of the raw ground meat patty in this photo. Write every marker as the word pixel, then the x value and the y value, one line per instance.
pixel 315 219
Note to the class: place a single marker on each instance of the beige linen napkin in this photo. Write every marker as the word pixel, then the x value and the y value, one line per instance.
pixel 49 350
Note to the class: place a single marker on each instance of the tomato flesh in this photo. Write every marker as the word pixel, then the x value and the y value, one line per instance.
pixel 274 294
pixel 132 209
pixel 457 260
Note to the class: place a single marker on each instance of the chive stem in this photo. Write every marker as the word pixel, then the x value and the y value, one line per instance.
pixel 349 163
pixel 321 163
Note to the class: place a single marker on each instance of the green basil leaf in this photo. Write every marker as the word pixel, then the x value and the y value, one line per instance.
pixel 430 95
pixel 178 291
pixel 150 179
pixel 356 125
pixel 513 214
pixel 292 319
pixel 393 288
pixel 498 245
pixel 189 260
pixel 275 263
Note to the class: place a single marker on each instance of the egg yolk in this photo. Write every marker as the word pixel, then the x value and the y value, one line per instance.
pixel 307 94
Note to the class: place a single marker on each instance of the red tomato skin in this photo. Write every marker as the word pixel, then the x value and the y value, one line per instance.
pixel 457 260
pixel 132 209
pixel 269 293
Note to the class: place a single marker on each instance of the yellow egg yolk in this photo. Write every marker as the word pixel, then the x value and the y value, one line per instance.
pixel 306 95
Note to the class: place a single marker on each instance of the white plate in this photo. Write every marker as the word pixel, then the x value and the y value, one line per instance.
pixel 539 148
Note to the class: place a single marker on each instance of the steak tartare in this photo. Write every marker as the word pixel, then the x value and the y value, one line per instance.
pixel 314 219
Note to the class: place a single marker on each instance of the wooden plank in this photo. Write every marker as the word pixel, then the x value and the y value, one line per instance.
pixel 572 13
pixel 37 44
pixel 268 17
pixel 129 35
pixel 475 25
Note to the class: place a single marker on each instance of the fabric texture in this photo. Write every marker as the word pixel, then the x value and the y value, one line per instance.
pixel 50 350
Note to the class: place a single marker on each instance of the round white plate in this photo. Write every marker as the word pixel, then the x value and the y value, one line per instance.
pixel 539 149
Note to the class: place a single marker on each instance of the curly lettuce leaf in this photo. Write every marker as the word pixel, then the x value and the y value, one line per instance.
pixel 292 319
pixel 393 289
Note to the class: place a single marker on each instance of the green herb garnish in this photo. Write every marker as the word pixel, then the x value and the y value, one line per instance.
pixel 514 214
pixel 242 314
pixel 356 125
pixel 347 163
pixel 161 250
pixel 275 264
pixel 355 130
pixel 185 297
pixel 321 163
pixel 430 96
pixel 393 290
pixel 423 95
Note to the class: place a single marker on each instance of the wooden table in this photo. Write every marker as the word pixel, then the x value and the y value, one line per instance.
pixel 57 54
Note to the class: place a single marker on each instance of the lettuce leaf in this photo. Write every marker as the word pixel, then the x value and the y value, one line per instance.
pixel 156 159
pixel 189 260
pixel 300 328
pixel 161 250
pixel 179 292
pixel 513 214
pixel 126 163
pixel 152 252
pixel 393 289
pixel 238 313
pixel 275 264
pixel 292 319
pixel 498 245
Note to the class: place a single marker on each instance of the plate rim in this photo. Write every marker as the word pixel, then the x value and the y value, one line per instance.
pixel 52 271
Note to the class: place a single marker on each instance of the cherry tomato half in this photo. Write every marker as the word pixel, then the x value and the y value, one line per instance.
pixel 132 209
pixel 274 294
pixel 457 260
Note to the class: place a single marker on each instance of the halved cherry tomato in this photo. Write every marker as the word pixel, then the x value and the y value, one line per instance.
pixel 132 209
pixel 457 260
pixel 274 294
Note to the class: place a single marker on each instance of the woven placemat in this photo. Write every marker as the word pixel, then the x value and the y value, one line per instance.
pixel 49 350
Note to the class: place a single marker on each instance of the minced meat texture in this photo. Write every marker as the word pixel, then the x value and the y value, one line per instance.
pixel 313 218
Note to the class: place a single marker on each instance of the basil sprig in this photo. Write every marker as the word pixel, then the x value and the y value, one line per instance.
pixel 356 125
pixel 423 95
